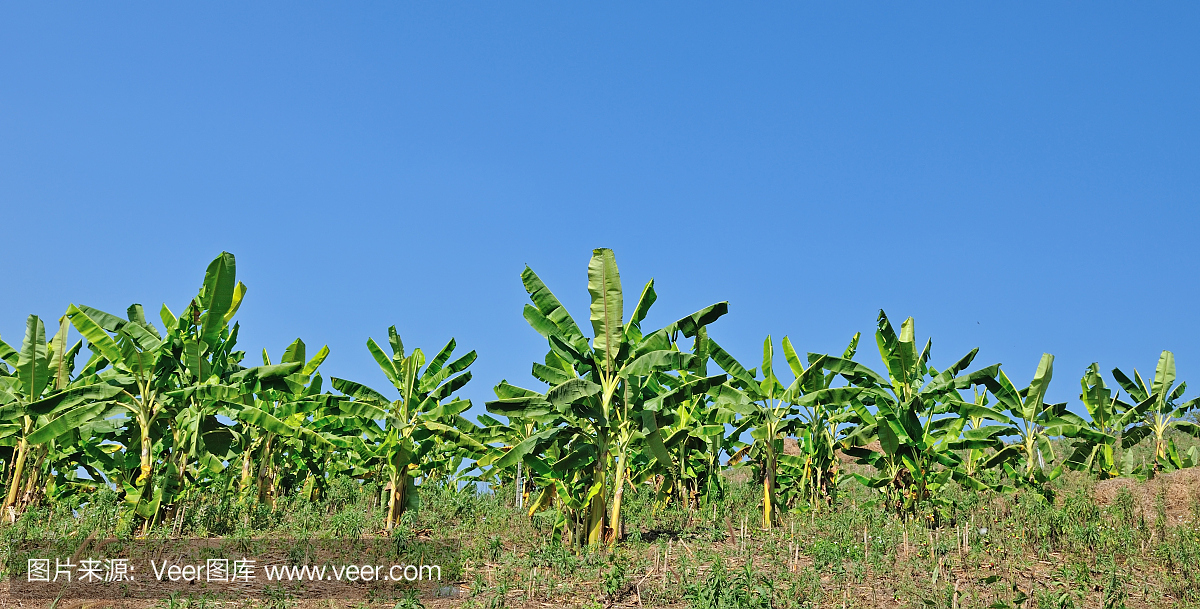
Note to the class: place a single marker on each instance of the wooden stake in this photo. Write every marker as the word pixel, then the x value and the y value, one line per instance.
pixel 743 536
pixel 933 556
pixel 967 541
pixel 666 561
pixel 792 547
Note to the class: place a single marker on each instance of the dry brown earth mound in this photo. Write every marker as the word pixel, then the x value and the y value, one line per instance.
pixel 1180 491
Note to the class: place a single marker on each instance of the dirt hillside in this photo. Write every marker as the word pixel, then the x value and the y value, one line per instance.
pixel 1180 490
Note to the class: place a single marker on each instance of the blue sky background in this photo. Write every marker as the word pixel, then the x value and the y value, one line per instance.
pixel 1019 177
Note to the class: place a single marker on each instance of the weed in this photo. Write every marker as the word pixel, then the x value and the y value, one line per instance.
pixel 720 590
pixel 276 597
pixel 410 601
pixel 500 598
pixel 614 581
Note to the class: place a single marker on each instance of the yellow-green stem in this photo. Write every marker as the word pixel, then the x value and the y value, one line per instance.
pixel 14 485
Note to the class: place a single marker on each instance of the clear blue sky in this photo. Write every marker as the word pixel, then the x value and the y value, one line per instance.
pixel 1021 177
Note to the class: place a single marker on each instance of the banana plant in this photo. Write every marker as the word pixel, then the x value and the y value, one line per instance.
pixel 140 364
pixel 275 402
pixel 40 402
pixel 696 438
pixel 205 366
pixel 1156 407
pixel 449 446
pixel 773 412
pixel 146 365
pixel 980 434
pixel 604 395
pixel 415 417
pixel 1034 424
pixel 499 438
pixel 918 419
pixel 823 418
pixel 766 411
pixel 277 416
pixel 1094 447
pixel 542 476
pixel 346 445
pixel 1175 460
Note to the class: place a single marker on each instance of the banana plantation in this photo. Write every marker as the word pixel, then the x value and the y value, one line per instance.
pixel 165 411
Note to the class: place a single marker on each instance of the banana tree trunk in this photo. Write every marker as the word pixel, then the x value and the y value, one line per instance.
pixel 520 486
pixel 181 460
pixel 264 467
pixel 1033 455
pixel 31 480
pixel 767 501
pixel 618 492
pixel 401 496
pixel 1107 465
pixel 398 498
pixel 768 490
pixel 595 520
pixel 682 491
pixel 391 514
pixel 147 466
pixel 145 479
pixel 596 509
pixel 309 488
pixel 244 483
pixel 14 485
